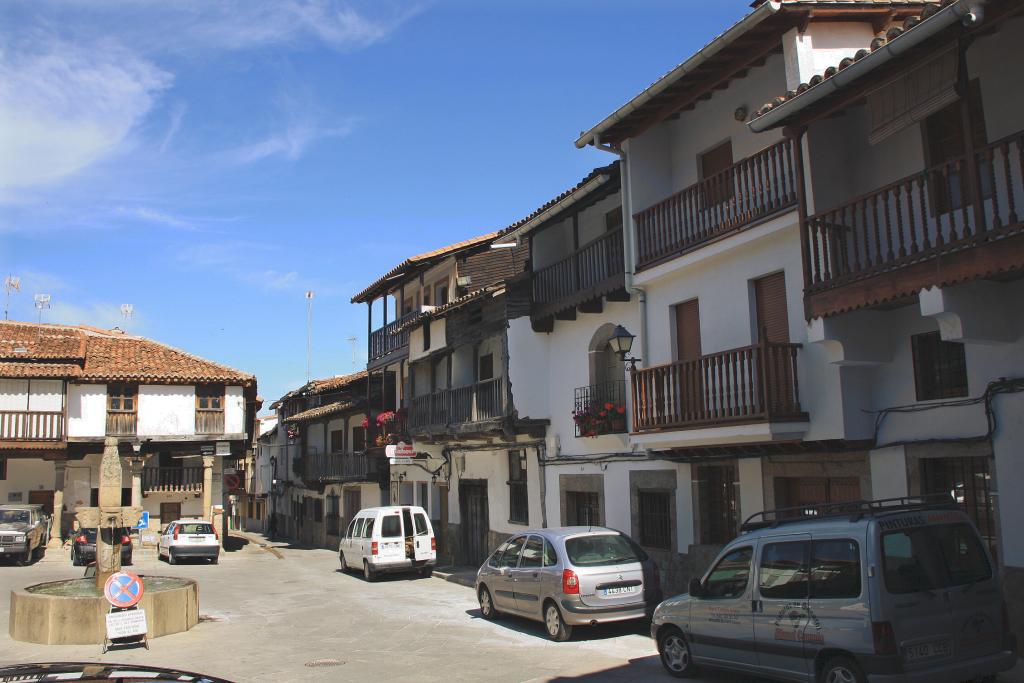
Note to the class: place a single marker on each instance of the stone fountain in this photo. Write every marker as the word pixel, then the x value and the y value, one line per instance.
pixel 73 611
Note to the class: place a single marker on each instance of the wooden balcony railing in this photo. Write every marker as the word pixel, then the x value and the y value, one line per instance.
pixel 385 340
pixel 209 422
pixel 919 218
pixel 344 467
pixel 461 405
pixel 749 190
pixel 31 425
pixel 172 479
pixel 122 424
pixel 750 384
pixel 593 270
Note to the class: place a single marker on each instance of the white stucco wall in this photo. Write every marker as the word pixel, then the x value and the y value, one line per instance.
pixel 821 45
pixel 87 410
pixel 24 475
pixel 166 410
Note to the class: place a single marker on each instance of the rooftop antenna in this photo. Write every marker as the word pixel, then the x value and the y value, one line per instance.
pixel 42 301
pixel 12 283
pixel 352 341
pixel 309 330
pixel 127 310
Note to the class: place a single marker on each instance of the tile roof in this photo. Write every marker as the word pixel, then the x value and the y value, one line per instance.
pixel 40 370
pixel 440 311
pixel 325 411
pixel 111 355
pixel 928 11
pixel 421 259
pixel 322 386
pixel 24 341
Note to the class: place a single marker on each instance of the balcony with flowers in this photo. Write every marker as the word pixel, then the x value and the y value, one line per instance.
pixel 600 409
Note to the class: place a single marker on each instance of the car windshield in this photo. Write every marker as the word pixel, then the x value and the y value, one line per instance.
pixel 14 517
pixel 195 528
pixel 931 557
pixel 600 550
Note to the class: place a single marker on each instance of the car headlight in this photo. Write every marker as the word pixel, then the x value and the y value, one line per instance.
pixel 18 538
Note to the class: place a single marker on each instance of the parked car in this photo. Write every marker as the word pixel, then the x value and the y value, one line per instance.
pixel 189 538
pixel 83 546
pixel 570 576
pixel 24 532
pixel 389 539
pixel 884 591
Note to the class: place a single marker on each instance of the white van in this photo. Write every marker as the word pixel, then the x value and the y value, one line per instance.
pixel 389 539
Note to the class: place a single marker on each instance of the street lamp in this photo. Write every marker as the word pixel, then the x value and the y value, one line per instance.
pixel 621 342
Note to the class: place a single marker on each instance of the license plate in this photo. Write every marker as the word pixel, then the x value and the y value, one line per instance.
pixel 197 539
pixel 933 649
pixel 2 549
pixel 618 590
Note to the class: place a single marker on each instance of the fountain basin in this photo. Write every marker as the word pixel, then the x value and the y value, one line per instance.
pixel 73 612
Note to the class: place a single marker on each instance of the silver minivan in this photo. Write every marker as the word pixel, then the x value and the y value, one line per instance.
pixel 883 591
pixel 569 576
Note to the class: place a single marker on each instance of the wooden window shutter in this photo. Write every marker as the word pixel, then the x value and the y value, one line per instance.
pixel 912 96
pixel 688 330
pixel 772 311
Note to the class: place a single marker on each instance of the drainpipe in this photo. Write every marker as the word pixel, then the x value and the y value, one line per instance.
pixel 628 230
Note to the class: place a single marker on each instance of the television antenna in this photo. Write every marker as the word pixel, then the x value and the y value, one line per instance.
pixel 127 311
pixel 12 283
pixel 42 301
pixel 353 341
pixel 309 330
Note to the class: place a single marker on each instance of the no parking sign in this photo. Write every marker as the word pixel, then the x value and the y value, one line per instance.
pixel 123 589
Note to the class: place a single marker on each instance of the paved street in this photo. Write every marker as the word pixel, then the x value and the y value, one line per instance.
pixel 290 615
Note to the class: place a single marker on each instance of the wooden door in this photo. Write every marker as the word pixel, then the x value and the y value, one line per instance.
pixel 771 309
pixel 474 521
pixel 688 330
pixel 718 185
pixel 44 498
pixel 169 512
pixel 687 398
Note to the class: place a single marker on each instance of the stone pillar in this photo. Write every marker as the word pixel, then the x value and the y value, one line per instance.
pixel 56 531
pixel 136 468
pixel 208 487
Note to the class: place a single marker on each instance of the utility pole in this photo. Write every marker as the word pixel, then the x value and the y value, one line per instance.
pixel 309 331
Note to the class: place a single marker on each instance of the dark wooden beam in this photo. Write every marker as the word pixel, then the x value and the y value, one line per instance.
pixel 567 314
pixel 618 295
pixel 543 325
pixel 592 306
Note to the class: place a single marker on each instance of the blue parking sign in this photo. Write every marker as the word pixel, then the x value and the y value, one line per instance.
pixel 143 521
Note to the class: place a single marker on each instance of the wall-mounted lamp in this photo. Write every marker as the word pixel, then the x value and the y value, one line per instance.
pixel 621 342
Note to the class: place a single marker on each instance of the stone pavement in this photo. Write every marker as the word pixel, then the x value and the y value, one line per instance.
pixel 292 616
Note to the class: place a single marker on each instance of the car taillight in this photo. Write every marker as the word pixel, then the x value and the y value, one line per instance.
pixel 433 543
pixel 570 582
pixel 176 529
pixel 126 540
pixel 81 539
pixel 884 637
pixel 374 547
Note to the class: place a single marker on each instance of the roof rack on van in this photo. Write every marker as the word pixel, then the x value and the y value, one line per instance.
pixel 855 510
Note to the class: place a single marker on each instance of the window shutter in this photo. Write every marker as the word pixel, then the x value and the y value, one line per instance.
pixel 913 96
pixel 688 330
pixel 772 313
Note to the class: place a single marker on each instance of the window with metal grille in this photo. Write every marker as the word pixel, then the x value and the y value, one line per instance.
pixel 940 367
pixel 655 519
pixel 333 515
pixel 582 508
pixel 716 498
pixel 518 502
pixel 967 481
pixel 318 510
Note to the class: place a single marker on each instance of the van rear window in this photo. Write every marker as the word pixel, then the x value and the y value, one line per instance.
pixel 932 557
pixel 602 550
pixel 391 526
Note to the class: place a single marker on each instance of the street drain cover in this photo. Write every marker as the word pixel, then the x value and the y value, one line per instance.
pixel 324 662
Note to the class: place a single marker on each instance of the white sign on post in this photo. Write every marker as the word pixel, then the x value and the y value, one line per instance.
pixel 126 624
pixel 400 453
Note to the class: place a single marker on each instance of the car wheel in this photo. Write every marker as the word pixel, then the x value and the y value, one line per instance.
pixel 675 654
pixel 368 573
pixel 487 610
pixel 556 627
pixel 171 559
pixel 341 560
pixel 214 560
pixel 427 572
pixel 24 558
pixel 75 562
pixel 841 670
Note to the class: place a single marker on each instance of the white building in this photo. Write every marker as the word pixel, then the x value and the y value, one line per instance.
pixel 64 389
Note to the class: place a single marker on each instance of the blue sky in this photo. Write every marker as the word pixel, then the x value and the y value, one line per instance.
pixel 209 162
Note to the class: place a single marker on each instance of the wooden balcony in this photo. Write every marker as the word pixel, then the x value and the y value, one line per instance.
pixel 328 468
pixel 172 479
pixel 922 231
pixel 749 191
pixel 594 270
pixel 751 384
pixel 122 424
pixel 386 340
pixel 209 421
pixel 470 404
pixel 31 425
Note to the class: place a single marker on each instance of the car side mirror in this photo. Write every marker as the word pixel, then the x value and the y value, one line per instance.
pixel 696 588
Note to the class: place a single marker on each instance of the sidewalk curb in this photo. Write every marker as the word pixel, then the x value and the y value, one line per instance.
pixel 459 578
pixel 258 541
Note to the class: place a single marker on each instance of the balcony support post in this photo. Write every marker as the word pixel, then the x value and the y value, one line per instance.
pixel 208 487
pixel 970 153
pixel 57 526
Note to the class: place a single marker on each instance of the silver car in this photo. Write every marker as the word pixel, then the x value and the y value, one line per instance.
pixel 569 576
pixel 883 592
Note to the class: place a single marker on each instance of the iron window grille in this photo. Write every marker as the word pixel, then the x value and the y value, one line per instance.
pixel 716 497
pixel 940 367
pixel 583 508
pixel 518 502
pixel 655 519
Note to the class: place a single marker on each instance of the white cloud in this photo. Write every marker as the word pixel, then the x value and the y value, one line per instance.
pixel 144 213
pixel 64 106
pixel 174 124
pixel 290 143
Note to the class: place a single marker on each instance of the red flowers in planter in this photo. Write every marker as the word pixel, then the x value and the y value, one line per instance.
pixel 597 419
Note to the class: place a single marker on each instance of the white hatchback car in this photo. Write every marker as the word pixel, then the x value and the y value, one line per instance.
pixel 189 538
